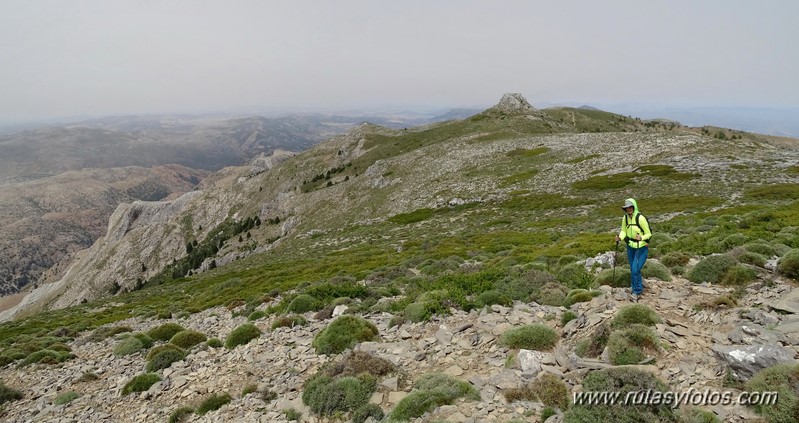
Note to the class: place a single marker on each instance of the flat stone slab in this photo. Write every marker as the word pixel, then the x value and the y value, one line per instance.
pixel 746 360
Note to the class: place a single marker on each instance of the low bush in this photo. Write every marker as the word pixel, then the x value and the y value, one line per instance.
pixel 255 315
pixel 733 240
pixel 166 347
pixel 66 398
pixel 580 296
pixel 359 362
pixel 622 380
pixel 365 411
pixel 567 317
pixel 575 276
pixel 242 335
pixel 696 415
pixel 547 389
pixel 489 298
pixel 326 396
pixel 635 314
pixel 145 339
pixel 302 303
pixel 622 279
pixel 214 402
pixel 531 337
pixel 8 394
pixel 164 359
pixel 140 383
pixel 711 269
pixel 289 321
pixel 104 332
pixel 784 379
pixel 165 332
pixel 214 343
pixel 675 258
pixel 47 357
pixel 187 339
pixel 738 275
pixel 748 257
pixel 553 294
pixel 128 346
pixel 630 345
pixel 430 391
pixel 653 269
pixel 325 313
pixel 343 333
pixel 761 247
pixel 788 264
pixel 180 414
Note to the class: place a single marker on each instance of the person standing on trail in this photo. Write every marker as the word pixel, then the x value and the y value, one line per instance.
pixel 635 232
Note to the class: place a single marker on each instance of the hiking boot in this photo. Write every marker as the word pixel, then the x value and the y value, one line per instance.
pixel 634 298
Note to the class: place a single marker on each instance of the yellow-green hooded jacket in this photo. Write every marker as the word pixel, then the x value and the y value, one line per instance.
pixel 629 227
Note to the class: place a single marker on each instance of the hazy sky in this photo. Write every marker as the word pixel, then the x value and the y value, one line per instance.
pixel 66 58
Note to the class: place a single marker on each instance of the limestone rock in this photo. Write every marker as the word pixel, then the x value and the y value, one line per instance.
pixel 746 360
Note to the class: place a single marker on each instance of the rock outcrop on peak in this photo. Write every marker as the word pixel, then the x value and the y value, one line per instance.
pixel 514 103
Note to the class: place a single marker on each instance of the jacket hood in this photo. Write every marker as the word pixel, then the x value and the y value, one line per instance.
pixel 635 205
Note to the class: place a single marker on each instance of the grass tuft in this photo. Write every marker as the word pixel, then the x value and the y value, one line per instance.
pixel 531 337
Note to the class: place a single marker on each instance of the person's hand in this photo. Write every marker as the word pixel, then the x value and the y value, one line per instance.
pixel 617 238
pixel 637 237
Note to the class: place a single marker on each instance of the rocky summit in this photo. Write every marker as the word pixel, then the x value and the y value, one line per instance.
pixel 463 271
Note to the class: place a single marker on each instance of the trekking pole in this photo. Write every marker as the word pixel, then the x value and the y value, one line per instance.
pixel 615 250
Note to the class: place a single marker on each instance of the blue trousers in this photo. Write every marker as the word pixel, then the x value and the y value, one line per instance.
pixel 637 258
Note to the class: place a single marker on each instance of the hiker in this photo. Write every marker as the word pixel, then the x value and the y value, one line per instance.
pixel 635 233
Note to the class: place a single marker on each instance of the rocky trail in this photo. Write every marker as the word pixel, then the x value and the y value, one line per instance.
pixel 698 344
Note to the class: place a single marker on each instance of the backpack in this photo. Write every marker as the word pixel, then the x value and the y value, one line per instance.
pixel 638 224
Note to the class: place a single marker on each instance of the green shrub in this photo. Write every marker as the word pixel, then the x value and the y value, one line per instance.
pixel 326 396
pixel 788 264
pixel 575 276
pixel 255 315
pixel 47 357
pixel 761 247
pixel 653 269
pixel 214 402
pixel 365 411
pixel 748 257
pixel 622 380
pixel 489 298
pixel 622 279
pixel 580 296
pixel 249 389
pixel 165 332
pixel 88 377
pixel 302 303
pixel 8 394
pixel 530 337
pixel 214 343
pixel 553 294
pixel 784 379
pixel 66 398
pixel 166 347
pixel 187 339
pixel 738 275
pixel 180 414
pixel 629 345
pixel 546 413
pixel 289 321
pixel 359 362
pixel 675 258
pixel 292 414
pixel 140 383
pixel 431 391
pixel 551 391
pixel 635 313
pixel 164 359
pixel 566 260
pixel 567 317
pixel 416 312
pixel 108 331
pixel 128 346
pixel 593 346
pixel 711 269
pixel 733 240
pixel 146 341
pixel 242 335
pixel 343 333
